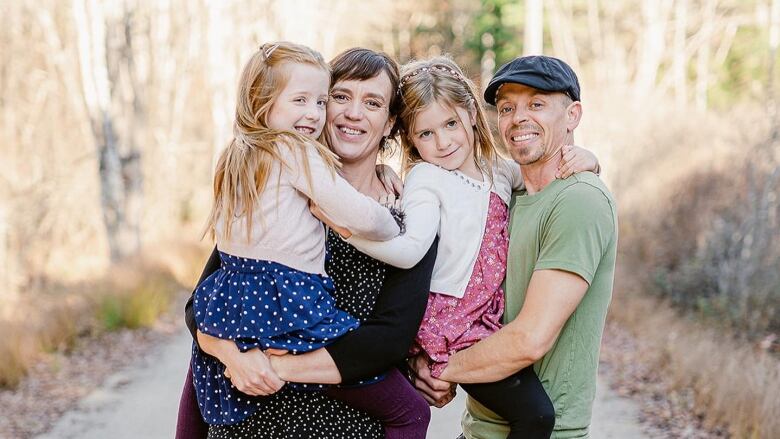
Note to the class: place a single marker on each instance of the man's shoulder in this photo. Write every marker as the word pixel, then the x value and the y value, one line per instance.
pixel 586 190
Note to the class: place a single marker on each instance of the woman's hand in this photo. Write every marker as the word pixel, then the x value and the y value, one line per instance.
pixel 390 180
pixel 249 371
pixel 437 392
pixel 320 215
pixel 575 159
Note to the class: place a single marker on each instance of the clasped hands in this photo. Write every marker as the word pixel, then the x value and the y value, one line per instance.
pixel 251 372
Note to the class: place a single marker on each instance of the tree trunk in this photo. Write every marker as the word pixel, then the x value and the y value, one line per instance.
pixel 679 64
pixel 655 16
pixel 703 56
pixel 120 175
pixel 534 28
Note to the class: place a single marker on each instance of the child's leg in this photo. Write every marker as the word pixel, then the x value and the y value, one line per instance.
pixel 190 424
pixel 393 401
pixel 521 400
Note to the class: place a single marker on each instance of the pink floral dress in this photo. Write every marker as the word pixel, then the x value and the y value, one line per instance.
pixel 450 323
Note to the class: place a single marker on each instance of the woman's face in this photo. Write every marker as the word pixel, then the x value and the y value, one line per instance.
pixel 358 117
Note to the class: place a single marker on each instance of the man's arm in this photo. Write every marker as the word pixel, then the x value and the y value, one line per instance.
pixel 552 297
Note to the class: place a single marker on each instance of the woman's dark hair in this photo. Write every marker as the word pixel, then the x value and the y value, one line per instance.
pixel 359 64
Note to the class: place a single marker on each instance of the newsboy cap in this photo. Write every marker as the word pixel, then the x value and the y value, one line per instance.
pixel 538 71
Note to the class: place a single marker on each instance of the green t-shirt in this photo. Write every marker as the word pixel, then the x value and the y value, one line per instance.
pixel 570 225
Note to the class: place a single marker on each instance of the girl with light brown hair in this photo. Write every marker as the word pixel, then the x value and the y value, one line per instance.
pixel 458 188
pixel 271 292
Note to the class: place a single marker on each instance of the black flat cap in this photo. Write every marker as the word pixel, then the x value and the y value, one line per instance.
pixel 540 72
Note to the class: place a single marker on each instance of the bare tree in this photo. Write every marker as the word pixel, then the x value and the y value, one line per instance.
pixel 534 27
pixel 679 62
pixel 119 171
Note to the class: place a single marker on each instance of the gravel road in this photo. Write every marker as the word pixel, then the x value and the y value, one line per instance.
pixel 141 400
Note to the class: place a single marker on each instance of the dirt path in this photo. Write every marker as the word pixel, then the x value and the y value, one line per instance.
pixel 141 400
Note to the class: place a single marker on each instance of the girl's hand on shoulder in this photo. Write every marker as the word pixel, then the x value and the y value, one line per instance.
pixel 575 159
pixel 390 180
pixel 320 215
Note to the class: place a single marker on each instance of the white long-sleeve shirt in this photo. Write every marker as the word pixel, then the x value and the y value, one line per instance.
pixel 283 228
pixel 448 204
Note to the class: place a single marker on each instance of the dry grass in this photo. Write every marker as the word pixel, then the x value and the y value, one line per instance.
pixel 734 384
pixel 132 295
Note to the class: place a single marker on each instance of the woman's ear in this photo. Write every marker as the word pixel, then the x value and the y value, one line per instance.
pixel 389 126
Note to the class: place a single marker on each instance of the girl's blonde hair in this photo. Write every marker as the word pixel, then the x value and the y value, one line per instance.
pixel 440 79
pixel 244 166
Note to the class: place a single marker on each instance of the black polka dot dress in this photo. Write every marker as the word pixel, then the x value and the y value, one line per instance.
pixel 290 413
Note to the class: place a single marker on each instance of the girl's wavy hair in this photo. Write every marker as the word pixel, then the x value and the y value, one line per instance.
pixel 439 79
pixel 243 167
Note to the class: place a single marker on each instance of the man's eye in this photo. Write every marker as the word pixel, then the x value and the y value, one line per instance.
pixel 339 98
pixel 505 110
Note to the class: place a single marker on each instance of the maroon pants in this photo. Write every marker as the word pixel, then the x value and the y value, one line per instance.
pixel 190 424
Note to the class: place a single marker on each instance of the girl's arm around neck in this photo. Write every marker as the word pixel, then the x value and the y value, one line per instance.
pixel 422 210
pixel 337 199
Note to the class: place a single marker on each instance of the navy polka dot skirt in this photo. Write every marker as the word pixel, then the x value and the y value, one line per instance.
pixel 258 304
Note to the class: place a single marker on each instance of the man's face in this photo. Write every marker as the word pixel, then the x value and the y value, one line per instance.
pixel 534 124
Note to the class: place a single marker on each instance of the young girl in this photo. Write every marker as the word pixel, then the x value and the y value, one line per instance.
pixel 271 291
pixel 459 188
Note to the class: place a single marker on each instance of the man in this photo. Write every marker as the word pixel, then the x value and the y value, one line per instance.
pixel 563 239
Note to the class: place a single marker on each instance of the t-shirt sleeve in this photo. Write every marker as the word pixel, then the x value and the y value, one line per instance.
pixel 577 231
pixel 340 202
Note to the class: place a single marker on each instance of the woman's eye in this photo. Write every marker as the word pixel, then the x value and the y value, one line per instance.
pixel 374 104
pixel 425 134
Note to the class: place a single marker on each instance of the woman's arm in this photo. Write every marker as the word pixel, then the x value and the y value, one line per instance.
pixel 189 314
pixel 380 342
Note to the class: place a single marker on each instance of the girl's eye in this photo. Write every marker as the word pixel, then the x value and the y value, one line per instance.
pixel 425 134
pixel 300 100
pixel 452 124
pixel 322 102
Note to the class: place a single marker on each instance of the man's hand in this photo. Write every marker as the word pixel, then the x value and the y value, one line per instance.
pixel 438 393
pixel 251 373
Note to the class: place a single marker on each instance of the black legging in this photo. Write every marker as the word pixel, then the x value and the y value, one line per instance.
pixel 521 400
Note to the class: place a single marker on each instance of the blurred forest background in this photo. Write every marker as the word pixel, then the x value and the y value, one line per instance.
pixel 113 112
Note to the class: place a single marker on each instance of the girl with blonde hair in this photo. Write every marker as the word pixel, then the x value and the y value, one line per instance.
pixel 458 187
pixel 271 291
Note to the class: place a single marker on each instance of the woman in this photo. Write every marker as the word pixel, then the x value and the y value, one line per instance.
pixel 361 117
